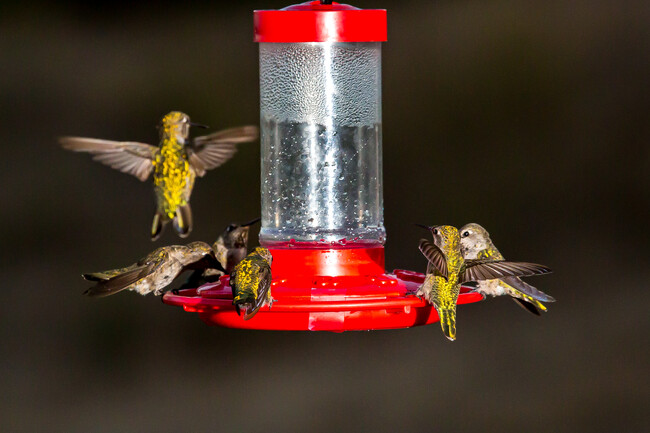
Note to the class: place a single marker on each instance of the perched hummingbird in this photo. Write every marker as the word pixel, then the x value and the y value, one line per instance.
pixel 447 270
pixel 475 243
pixel 230 248
pixel 175 163
pixel 155 271
pixel 251 282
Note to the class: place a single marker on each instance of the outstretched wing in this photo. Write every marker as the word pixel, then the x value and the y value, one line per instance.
pixel 434 256
pixel 210 151
pixel 527 289
pixel 477 270
pixel 126 156
pixel 126 279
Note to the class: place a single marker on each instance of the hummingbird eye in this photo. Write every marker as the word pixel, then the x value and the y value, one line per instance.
pixel 434 231
pixel 230 228
pixel 465 234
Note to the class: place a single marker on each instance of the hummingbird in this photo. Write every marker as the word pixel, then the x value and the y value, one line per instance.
pixel 251 282
pixel 175 163
pixel 475 243
pixel 230 248
pixel 447 270
pixel 153 272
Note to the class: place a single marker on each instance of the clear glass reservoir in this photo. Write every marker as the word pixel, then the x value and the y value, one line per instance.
pixel 321 144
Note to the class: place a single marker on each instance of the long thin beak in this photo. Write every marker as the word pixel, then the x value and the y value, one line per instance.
pixel 199 125
pixel 250 223
pixel 423 226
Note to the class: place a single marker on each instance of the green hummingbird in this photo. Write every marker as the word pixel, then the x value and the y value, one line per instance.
pixel 251 282
pixel 175 163
pixel 230 248
pixel 447 270
pixel 155 271
pixel 475 243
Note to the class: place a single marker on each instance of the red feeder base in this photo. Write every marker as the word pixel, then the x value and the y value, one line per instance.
pixel 323 290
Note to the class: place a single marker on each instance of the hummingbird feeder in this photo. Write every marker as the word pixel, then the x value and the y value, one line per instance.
pixel 322 199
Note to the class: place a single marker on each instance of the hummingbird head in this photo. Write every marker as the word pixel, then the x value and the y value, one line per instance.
pixel 176 124
pixel 236 235
pixel 264 253
pixel 198 250
pixel 445 237
pixel 473 238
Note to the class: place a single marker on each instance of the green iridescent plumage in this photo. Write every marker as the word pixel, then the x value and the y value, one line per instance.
pixel 154 272
pixel 447 270
pixel 230 248
pixel 476 244
pixel 251 282
pixel 175 163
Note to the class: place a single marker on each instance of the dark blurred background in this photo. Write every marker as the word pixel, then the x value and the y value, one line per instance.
pixel 529 117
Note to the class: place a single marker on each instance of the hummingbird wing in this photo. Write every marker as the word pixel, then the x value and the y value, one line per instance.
pixel 527 289
pixel 126 156
pixel 220 252
pixel 434 256
pixel 477 270
pixel 131 276
pixel 120 282
pixel 210 151
pixel 107 275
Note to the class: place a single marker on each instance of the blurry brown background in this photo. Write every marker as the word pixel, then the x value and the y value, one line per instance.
pixel 531 118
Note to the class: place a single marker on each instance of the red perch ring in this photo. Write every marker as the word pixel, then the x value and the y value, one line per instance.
pixel 323 290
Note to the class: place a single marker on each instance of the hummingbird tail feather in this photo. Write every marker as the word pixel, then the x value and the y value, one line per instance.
pixel 95 276
pixel 250 311
pixel 448 322
pixel 157 226
pixel 531 306
pixel 183 220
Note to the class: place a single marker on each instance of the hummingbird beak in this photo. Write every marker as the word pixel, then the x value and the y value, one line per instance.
pixel 199 125
pixel 250 223
pixel 423 226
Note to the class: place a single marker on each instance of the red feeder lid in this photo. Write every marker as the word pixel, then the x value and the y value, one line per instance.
pixel 317 22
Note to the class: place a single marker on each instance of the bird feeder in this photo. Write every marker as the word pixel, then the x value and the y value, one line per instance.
pixel 322 199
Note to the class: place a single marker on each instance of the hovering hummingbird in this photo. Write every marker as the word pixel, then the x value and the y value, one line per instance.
pixel 230 248
pixel 251 282
pixel 155 271
pixel 447 270
pixel 475 243
pixel 175 163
